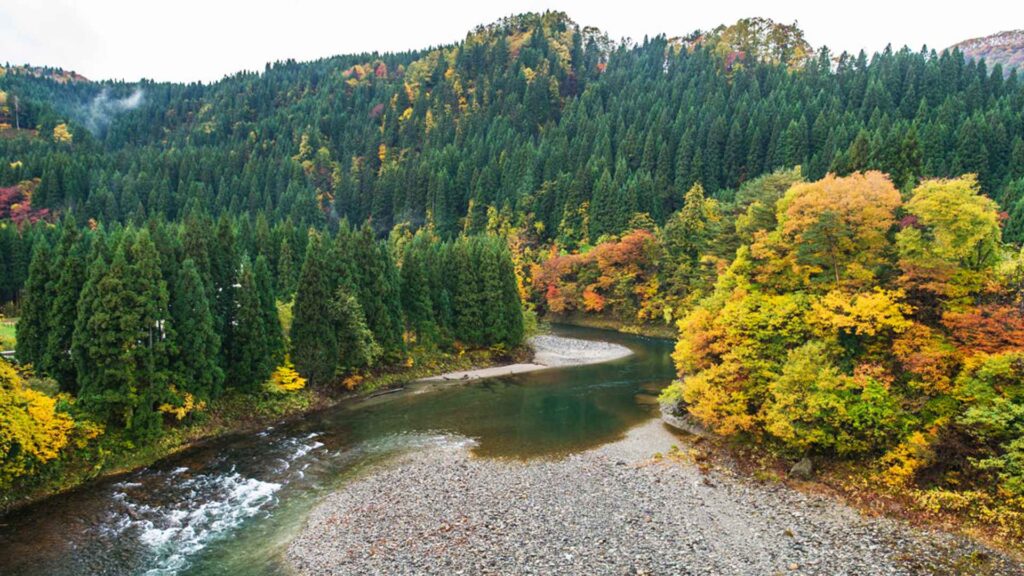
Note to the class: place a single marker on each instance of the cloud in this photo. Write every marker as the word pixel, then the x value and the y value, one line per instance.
pixel 97 114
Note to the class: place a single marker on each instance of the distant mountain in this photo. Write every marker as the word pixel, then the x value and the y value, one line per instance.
pixel 1006 48
pixel 58 75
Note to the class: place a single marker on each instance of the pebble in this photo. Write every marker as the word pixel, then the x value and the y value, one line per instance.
pixel 608 511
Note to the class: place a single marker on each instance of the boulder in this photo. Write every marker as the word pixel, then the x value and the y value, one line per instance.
pixel 803 470
pixel 678 418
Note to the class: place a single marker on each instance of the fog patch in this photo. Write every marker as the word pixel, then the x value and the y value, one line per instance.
pixel 98 114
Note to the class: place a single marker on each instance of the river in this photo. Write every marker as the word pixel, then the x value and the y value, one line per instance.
pixel 231 505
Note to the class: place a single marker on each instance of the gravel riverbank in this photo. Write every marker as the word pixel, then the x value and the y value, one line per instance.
pixel 549 351
pixel 612 510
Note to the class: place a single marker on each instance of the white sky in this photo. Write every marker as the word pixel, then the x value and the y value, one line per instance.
pixel 186 40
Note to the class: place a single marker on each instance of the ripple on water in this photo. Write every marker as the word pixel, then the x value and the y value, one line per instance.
pixel 174 515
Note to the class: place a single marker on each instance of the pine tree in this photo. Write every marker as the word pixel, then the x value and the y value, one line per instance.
pixel 314 345
pixel 249 355
pixel 197 343
pixel 268 306
pixel 69 266
pixel 155 331
pixel 224 261
pixel 465 287
pixel 493 327
pixel 286 271
pixel 417 304
pixel 604 207
pixel 378 291
pixel 33 323
pixel 509 303
pixel 122 338
pixel 356 345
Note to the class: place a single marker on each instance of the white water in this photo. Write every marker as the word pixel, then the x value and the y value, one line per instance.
pixel 198 510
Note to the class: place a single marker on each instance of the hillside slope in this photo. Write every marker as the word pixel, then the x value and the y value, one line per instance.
pixel 534 118
pixel 1005 48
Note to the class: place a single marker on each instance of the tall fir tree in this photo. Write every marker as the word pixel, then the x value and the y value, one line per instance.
pixel 357 347
pixel 69 265
pixel 268 308
pixel 34 319
pixel 197 344
pixel 249 361
pixel 314 344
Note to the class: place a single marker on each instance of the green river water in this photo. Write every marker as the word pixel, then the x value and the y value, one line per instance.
pixel 231 505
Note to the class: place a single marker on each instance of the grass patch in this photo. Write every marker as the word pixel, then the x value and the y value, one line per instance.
pixel 7 334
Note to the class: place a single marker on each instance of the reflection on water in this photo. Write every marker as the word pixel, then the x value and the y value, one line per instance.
pixel 230 506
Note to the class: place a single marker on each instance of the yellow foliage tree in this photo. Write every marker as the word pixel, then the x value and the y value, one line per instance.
pixel 179 410
pixel 61 134
pixel 864 314
pixel 285 378
pixel 34 431
pixel 836 222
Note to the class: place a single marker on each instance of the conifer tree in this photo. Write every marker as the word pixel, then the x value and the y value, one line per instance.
pixel 249 359
pixel 286 271
pixel 122 339
pixel 416 290
pixel 356 345
pixel 378 289
pixel 224 263
pixel 465 287
pixel 69 277
pixel 197 343
pixel 314 345
pixel 33 323
pixel 268 306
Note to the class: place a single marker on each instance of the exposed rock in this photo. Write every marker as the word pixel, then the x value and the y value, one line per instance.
pixel 681 420
pixel 803 470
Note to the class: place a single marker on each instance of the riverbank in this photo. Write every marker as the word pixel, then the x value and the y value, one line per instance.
pixel 610 510
pixel 548 352
pixel 648 329
pixel 112 455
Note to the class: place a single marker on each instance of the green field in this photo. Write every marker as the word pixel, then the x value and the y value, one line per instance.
pixel 6 335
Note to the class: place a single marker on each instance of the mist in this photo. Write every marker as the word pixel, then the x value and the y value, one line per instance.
pixel 98 114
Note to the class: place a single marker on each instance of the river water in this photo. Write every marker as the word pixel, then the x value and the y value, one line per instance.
pixel 231 505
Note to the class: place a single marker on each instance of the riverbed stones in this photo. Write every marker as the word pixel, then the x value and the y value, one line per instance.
pixel 444 511
pixel 549 351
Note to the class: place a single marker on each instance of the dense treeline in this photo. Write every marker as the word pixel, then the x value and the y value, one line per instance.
pixel 143 324
pixel 532 115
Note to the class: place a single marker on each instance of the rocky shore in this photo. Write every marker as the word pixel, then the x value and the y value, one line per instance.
pixel 549 351
pixel 612 510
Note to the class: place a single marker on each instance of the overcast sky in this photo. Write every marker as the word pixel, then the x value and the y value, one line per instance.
pixel 186 40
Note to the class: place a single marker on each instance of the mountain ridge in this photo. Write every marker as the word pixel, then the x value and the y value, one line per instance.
pixel 1005 48
pixel 532 116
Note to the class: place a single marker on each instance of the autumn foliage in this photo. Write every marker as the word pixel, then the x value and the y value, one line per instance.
pixel 16 203
pixel 865 326
pixel 618 278
pixel 36 429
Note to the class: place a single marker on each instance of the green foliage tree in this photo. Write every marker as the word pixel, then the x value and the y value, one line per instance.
pixel 197 343
pixel 33 323
pixel 314 345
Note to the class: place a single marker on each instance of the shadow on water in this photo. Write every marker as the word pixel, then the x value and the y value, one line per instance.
pixel 231 505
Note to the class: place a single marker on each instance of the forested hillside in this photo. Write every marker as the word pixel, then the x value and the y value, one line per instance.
pixel 1005 48
pixel 533 115
pixel 563 132
pixel 838 236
